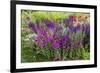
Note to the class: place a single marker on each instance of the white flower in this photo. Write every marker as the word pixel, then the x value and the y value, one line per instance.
pixel 27 39
pixel 31 35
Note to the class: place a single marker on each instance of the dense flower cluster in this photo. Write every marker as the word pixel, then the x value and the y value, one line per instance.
pixel 64 39
pixel 72 37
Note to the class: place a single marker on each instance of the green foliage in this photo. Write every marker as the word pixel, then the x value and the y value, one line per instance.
pixel 39 16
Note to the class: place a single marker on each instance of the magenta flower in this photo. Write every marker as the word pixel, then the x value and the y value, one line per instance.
pixel 55 44
pixel 64 40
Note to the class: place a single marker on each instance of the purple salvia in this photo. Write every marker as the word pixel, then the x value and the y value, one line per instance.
pixel 49 24
pixel 33 27
pixel 56 44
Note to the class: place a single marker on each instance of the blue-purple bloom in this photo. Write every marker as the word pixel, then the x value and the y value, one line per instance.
pixel 74 28
pixel 65 39
pixel 49 24
pixel 86 28
pixel 68 21
pixel 33 27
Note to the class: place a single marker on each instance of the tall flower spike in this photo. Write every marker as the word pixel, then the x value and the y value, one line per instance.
pixel 74 28
pixel 49 24
pixel 65 39
pixel 33 27
pixel 56 44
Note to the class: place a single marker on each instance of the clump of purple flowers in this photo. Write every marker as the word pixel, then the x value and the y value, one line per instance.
pixel 76 36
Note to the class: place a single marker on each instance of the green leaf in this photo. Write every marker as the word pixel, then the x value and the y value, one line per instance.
pixel 41 57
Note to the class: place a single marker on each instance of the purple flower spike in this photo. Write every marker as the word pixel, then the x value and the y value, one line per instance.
pixel 74 28
pixel 55 44
pixel 86 28
pixel 65 39
pixel 49 39
pixel 33 27
pixel 49 24
pixel 42 32
pixel 68 21
pixel 77 28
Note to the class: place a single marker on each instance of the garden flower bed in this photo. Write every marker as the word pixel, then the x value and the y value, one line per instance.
pixel 54 36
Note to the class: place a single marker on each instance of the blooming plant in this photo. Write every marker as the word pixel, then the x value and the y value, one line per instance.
pixel 54 36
